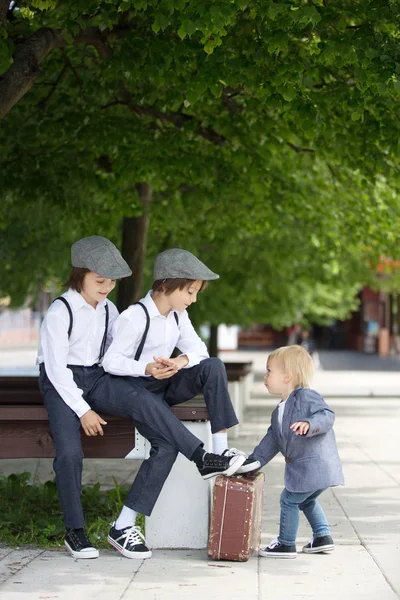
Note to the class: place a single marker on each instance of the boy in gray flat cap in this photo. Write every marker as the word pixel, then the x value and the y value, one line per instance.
pixel 144 337
pixel 74 336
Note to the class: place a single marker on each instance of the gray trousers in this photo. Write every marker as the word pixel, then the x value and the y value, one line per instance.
pixel 147 402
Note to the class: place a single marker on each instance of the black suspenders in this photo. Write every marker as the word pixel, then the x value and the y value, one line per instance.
pixel 146 330
pixel 71 318
pixel 71 322
pixel 104 341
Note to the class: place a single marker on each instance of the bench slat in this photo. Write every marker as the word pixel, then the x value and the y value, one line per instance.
pixel 25 433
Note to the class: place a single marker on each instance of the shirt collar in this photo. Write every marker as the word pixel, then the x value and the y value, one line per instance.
pixel 152 307
pixel 77 301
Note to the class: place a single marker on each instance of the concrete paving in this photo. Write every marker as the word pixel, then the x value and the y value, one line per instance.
pixel 364 516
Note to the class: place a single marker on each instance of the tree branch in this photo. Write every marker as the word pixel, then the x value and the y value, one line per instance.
pixel 298 149
pixel 176 118
pixel 20 77
pixel 55 85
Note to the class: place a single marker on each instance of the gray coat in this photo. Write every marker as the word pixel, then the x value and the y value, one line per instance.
pixel 312 460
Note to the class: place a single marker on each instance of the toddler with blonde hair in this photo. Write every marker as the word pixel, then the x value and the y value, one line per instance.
pixel 302 430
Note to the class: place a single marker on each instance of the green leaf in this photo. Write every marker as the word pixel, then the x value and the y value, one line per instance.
pixel 274 9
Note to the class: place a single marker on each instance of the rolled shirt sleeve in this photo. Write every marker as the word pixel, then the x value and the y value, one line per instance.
pixel 189 342
pixel 55 348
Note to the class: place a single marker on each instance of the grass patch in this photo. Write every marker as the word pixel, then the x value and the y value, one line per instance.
pixel 30 513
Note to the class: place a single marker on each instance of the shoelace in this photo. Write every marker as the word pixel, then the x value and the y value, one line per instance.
pixel 79 538
pixel 213 460
pixel 233 452
pixel 274 543
pixel 133 536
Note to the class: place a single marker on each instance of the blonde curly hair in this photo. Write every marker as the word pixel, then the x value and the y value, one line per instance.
pixel 296 361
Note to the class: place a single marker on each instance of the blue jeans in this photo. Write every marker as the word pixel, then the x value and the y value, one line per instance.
pixel 291 504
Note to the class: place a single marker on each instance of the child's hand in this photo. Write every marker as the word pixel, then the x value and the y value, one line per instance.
pixel 300 427
pixel 159 370
pixel 92 423
pixel 179 363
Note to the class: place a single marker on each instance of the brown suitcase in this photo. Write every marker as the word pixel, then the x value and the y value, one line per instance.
pixel 235 530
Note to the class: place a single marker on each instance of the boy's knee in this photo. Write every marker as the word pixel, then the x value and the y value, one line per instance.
pixel 70 456
pixel 168 452
pixel 213 364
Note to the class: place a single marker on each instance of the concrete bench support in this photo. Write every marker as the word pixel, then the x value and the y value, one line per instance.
pixel 180 518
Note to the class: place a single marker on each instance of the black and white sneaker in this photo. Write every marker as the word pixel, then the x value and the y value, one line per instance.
pixel 324 543
pixel 78 544
pixel 220 464
pixel 278 550
pixel 248 466
pixel 129 541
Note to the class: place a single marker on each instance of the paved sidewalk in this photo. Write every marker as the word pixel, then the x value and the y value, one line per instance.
pixel 337 373
pixel 364 515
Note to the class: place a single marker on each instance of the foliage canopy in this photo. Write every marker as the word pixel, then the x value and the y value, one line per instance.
pixel 268 131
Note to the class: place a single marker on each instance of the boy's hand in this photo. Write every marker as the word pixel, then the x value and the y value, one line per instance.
pixel 179 363
pixel 160 371
pixel 300 427
pixel 92 423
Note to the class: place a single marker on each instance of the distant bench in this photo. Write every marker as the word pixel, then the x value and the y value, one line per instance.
pixel 239 378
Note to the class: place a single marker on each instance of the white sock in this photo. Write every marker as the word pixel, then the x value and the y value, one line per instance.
pixel 220 442
pixel 127 518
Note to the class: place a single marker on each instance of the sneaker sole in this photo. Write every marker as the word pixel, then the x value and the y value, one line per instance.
pixel 128 553
pixel 277 554
pixel 231 470
pixel 248 468
pixel 92 553
pixel 327 548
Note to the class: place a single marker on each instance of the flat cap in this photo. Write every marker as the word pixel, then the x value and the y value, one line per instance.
pixel 99 255
pixel 177 264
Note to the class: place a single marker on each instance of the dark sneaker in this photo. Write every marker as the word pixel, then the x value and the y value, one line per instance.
pixel 129 541
pixel 278 550
pixel 220 464
pixel 324 543
pixel 78 544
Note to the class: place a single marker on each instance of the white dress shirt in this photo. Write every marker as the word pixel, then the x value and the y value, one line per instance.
pixel 56 351
pixel 281 410
pixel 163 336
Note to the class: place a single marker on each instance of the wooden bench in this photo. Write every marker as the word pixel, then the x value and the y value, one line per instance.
pixel 185 498
pixel 25 432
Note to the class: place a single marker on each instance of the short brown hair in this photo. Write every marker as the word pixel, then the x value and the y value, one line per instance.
pixel 76 278
pixel 170 285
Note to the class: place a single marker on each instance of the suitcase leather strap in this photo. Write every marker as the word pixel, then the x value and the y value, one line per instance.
pixel 223 517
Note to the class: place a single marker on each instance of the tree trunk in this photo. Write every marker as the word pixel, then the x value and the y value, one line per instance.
pixel 21 75
pixel 134 242
pixel 4 5
pixel 213 341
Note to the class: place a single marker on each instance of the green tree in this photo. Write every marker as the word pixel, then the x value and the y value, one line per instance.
pixel 267 133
